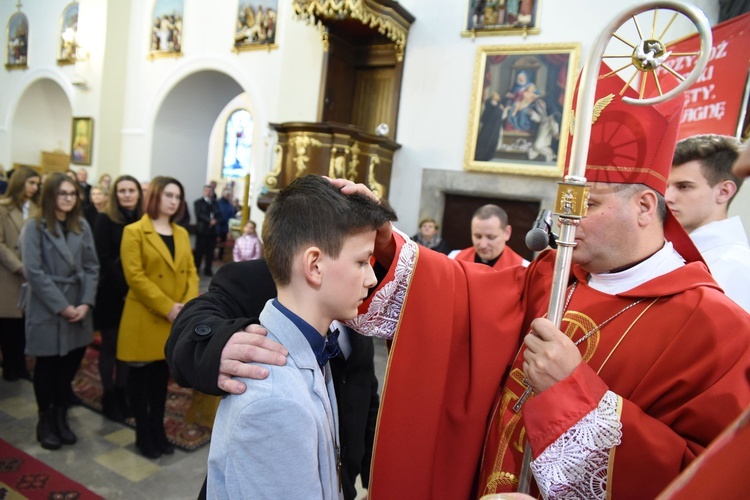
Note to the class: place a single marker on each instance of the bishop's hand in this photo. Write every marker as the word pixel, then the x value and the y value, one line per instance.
pixel 385 247
pixel 550 355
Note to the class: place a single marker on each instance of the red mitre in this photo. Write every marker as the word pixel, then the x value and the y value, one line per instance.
pixel 633 144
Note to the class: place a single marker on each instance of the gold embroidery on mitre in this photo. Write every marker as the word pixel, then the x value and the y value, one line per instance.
pixel 598 108
pixel 638 170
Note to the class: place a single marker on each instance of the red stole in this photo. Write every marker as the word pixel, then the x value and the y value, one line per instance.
pixel 442 377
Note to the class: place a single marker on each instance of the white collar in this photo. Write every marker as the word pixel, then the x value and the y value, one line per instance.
pixel 662 262
pixel 720 232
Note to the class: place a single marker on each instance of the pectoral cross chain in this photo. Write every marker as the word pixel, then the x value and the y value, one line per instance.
pixel 526 394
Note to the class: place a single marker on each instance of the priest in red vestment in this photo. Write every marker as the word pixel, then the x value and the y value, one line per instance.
pixel 647 368
pixel 490 233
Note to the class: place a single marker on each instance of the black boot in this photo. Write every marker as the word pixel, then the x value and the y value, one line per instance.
pixel 122 403
pixel 61 419
pixel 160 437
pixel 144 438
pixel 110 407
pixel 46 430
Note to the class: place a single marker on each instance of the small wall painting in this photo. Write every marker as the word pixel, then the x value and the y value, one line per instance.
pixel 256 25
pixel 501 17
pixel 81 143
pixel 166 29
pixel 18 42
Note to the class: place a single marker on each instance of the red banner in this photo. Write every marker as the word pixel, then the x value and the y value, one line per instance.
pixel 716 103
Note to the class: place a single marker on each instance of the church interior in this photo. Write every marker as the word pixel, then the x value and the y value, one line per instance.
pixel 254 93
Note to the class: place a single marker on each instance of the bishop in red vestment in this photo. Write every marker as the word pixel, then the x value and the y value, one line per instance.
pixel 648 366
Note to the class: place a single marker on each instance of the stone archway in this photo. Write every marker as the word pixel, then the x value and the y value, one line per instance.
pixel 41 122
pixel 183 124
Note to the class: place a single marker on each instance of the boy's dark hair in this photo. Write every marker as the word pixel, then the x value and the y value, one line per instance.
pixel 311 211
pixel 716 154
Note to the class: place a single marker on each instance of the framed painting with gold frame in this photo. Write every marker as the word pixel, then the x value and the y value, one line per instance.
pixel 501 17
pixel 166 29
pixel 82 140
pixel 256 25
pixel 17 38
pixel 520 107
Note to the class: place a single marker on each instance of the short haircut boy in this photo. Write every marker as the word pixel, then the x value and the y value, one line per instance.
pixel 279 439
pixel 311 211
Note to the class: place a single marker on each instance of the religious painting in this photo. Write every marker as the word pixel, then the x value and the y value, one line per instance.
pixel 501 17
pixel 520 108
pixel 238 144
pixel 18 42
pixel 81 142
pixel 67 52
pixel 166 29
pixel 256 25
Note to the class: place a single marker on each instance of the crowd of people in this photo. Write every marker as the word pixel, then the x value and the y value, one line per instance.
pixel 110 258
pixel 650 363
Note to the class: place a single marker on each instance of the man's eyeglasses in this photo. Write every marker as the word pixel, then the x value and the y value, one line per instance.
pixel 67 194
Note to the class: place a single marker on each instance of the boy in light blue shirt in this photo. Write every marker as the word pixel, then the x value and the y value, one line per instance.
pixel 279 439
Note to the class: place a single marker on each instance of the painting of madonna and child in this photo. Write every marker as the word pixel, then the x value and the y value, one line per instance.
pixel 519 107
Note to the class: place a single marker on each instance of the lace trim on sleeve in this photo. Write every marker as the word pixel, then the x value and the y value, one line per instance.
pixel 382 316
pixel 576 464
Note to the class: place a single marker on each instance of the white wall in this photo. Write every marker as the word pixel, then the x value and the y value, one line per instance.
pixel 126 91
pixel 438 82
pixel 36 127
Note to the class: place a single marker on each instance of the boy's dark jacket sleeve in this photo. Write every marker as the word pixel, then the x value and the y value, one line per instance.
pixel 237 294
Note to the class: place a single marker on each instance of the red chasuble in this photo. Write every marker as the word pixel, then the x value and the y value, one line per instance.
pixel 507 258
pixel 675 364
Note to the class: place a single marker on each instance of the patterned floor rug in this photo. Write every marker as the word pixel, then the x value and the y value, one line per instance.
pixel 187 436
pixel 23 476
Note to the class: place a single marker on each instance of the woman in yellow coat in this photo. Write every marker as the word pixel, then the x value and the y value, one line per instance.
pixel 158 265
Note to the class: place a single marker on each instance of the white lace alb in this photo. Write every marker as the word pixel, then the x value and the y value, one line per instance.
pixel 382 316
pixel 575 465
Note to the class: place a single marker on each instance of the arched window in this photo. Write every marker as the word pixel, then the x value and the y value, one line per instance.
pixel 238 144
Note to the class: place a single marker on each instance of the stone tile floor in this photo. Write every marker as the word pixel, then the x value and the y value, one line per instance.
pixel 105 459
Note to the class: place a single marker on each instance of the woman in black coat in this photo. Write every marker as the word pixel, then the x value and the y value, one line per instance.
pixel 123 207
